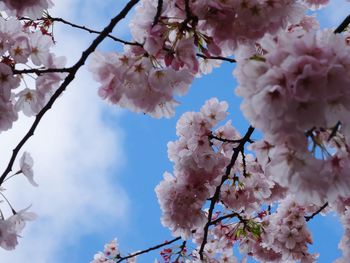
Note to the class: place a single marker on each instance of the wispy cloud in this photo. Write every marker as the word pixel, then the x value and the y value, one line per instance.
pixel 77 157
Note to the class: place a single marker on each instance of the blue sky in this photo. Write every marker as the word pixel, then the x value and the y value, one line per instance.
pixel 97 165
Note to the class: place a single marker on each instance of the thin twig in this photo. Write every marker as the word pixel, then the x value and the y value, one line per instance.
pixel 216 195
pixel 221 218
pixel 70 77
pixel 308 218
pixel 120 259
pixel 149 249
pixel 92 31
pixel 231 60
pixel 334 131
pixel 245 174
pixel 212 136
pixel 182 248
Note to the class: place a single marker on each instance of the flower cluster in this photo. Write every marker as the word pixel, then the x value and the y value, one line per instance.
pixel 296 92
pixel 251 189
pixel 286 235
pixel 132 81
pixel 110 254
pixel 198 168
pixel 23 45
pixel 163 60
pixel 20 45
pixel 12 227
pixel 25 8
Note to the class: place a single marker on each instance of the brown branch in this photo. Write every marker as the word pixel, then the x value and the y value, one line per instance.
pixel 70 77
pixel 40 71
pixel 308 218
pixel 159 12
pixel 92 31
pixel 120 259
pixel 216 195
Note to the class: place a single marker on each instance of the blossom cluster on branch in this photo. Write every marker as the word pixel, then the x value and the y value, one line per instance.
pixel 293 78
pixel 25 43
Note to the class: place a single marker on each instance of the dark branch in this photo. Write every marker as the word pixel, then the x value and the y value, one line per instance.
pixel 188 9
pixel 39 71
pixel 343 25
pixel 212 136
pixel 334 131
pixel 70 77
pixel 92 31
pixel 159 12
pixel 120 259
pixel 221 218
pixel 216 195
pixel 244 164
pixel 231 60
pixel 182 249
pixel 308 218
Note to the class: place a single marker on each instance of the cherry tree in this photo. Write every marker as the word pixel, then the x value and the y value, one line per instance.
pixel 226 188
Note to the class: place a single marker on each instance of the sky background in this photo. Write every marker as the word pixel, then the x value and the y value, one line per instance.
pixel 97 166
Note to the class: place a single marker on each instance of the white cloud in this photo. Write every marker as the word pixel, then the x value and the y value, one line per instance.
pixel 76 155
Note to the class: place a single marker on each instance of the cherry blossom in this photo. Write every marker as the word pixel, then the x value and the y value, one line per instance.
pixel 293 78
pixel 26 164
pixel 30 8
pixel 12 227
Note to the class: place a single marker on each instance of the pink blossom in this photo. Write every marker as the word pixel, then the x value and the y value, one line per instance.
pixel 26 164
pixel 30 8
pixel 29 102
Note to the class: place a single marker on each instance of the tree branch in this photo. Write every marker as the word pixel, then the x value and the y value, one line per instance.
pixel 343 25
pixel 231 60
pixel 216 195
pixel 188 9
pixel 120 259
pixel 70 77
pixel 308 218
pixel 212 136
pixel 92 31
pixel 159 12
pixel 40 71
pixel 234 214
